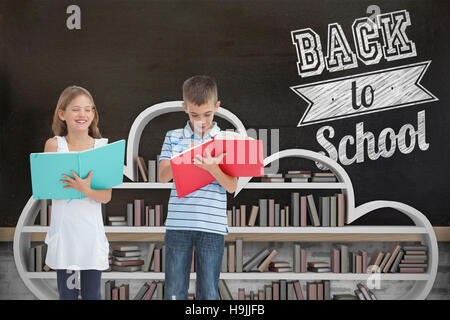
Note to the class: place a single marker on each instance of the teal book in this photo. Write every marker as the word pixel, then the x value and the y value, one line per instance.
pixel 47 168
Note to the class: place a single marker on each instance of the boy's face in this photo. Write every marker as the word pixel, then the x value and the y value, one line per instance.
pixel 201 116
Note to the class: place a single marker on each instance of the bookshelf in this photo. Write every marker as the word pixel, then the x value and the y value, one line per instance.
pixel 37 282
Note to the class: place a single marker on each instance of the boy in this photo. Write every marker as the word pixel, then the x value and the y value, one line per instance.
pixel 199 219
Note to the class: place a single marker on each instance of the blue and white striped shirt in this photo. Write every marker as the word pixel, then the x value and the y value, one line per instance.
pixel 204 209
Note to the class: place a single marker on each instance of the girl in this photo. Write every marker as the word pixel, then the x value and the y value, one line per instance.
pixel 76 239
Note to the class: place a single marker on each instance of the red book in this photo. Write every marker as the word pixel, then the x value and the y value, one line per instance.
pixel 146 216
pixel 244 158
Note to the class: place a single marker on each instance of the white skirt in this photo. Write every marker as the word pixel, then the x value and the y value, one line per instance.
pixel 76 239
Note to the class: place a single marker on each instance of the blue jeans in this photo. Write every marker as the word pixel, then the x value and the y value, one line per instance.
pixel 208 255
pixel 90 284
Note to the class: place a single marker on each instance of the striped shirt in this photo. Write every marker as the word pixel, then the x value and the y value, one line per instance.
pixel 204 209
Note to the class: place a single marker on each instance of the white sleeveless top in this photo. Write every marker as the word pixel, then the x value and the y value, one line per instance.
pixel 76 239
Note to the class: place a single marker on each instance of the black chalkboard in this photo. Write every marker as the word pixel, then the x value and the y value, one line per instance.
pixel 133 54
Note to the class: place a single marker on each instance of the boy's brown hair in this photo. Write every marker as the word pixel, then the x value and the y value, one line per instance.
pixel 200 90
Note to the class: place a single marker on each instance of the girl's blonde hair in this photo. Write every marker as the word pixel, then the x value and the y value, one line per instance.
pixel 59 127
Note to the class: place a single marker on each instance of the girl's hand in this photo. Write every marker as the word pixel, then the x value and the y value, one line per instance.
pixel 208 163
pixel 82 185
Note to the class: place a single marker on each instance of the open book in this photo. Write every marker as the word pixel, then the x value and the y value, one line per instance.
pixel 243 158
pixel 47 168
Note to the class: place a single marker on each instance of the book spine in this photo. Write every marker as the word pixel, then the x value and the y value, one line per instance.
pixel 297 260
pixel 271 212
pixel 326 290
pixel 341 209
pixel 303 260
pixel 243 215
pixel 298 290
pixel 253 215
pixel 333 211
pixel 239 255
pixel 275 290
pixel 295 205
pixel 231 258
pixel 344 259
pixel 263 212
pixel 268 292
pixel 225 260
pixel 151 171
pixel 397 261
pixel 303 211
pixel 158 215
pixel 137 212
pixel 157 260
pixel 326 212
pixel 130 211
pixel 43 213
pixel 283 290
pixel 286 219
pixel 157 168
pixel 290 291
pixel 313 211
pixel 277 214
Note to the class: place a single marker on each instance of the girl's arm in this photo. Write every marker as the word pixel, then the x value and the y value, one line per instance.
pixel 84 186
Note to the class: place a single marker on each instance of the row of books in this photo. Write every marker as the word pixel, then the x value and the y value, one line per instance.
pixel 45 212
pixel 36 258
pixel 409 259
pixel 301 176
pixel 149 291
pixel 281 290
pixel 139 214
pixel 278 290
pixel 128 258
pixel 148 173
pixel 403 259
pixel 330 212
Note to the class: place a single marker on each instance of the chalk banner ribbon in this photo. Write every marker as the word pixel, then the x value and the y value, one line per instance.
pixel 389 89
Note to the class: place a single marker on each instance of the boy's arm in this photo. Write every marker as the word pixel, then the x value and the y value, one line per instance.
pixel 211 164
pixel 226 181
pixel 165 171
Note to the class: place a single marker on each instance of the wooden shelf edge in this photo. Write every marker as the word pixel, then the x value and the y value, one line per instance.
pixel 251 276
pixel 442 235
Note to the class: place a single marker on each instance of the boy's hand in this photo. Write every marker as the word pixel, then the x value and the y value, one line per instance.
pixel 208 163
pixel 82 185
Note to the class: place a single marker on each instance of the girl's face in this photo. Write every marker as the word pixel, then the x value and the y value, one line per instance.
pixel 79 113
